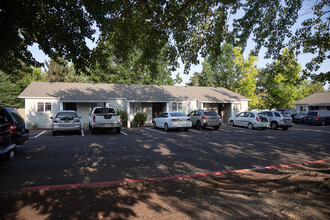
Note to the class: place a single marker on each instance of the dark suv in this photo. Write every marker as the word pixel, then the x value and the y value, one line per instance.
pixel 321 117
pixel 7 148
pixel 16 125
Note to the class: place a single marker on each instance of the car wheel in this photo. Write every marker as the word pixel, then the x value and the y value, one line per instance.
pixel 54 133
pixel 118 130
pixel 198 125
pixel 285 128
pixel 90 127
pixel 154 124
pixel 216 128
pixel 322 123
pixel 250 126
pixel 231 123
pixel 274 125
pixel 186 129
pixel 166 127
pixel 93 130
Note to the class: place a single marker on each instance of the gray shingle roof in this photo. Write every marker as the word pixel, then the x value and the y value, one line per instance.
pixel 146 93
pixel 316 99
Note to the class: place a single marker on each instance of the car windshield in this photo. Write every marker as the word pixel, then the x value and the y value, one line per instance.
pixel 312 114
pixel 177 114
pixel 104 111
pixel 212 113
pixel 66 115
pixel 286 115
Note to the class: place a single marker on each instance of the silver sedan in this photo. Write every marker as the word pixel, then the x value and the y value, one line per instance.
pixel 250 120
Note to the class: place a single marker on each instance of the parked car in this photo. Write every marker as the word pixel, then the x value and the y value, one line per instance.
pixel 291 111
pixel 19 134
pixel 202 119
pixel 278 120
pixel 250 120
pixel 321 117
pixel 66 120
pixel 105 118
pixel 172 120
pixel 300 117
pixel 7 148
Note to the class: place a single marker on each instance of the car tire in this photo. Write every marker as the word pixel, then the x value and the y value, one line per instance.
pixel 118 130
pixel 53 133
pixel 231 123
pixel 166 127
pixel 198 125
pixel 93 130
pixel 154 124
pixel 186 129
pixel 322 123
pixel 250 126
pixel 274 125
pixel 90 127
pixel 285 128
pixel 216 128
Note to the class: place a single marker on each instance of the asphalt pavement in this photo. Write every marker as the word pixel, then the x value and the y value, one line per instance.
pixel 140 153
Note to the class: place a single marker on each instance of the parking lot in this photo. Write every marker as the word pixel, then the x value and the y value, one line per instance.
pixel 146 152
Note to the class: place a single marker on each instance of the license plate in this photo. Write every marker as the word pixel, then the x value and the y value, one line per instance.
pixel 108 125
pixel 12 154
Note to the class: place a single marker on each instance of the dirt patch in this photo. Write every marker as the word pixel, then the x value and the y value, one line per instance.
pixel 300 192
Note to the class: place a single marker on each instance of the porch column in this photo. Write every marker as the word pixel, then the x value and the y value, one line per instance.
pixel 202 106
pixel 231 110
pixel 128 114
pixel 167 106
pixel 61 105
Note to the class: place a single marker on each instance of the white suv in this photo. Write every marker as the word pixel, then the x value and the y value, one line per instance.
pixel 277 120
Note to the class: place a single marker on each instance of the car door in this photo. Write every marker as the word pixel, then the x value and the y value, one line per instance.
pixel 239 118
pixel 245 119
pixel 192 116
pixel 159 120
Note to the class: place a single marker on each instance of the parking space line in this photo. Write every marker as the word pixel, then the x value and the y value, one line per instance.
pixel 156 130
pixel 123 133
pixel 39 134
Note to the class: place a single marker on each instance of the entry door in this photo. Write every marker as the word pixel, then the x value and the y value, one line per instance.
pixel 70 106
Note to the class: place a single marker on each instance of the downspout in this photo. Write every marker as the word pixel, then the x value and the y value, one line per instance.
pixel 128 113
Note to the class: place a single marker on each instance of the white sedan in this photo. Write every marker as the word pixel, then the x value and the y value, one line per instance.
pixel 172 120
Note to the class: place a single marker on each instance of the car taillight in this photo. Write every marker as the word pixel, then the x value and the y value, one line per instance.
pixel 12 128
pixel 175 119
pixel 188 119
pixel 55 121
pixel 303 117
pixel 121 117
pixel 93 118
pixel 203 117
pixel 257 119
pixel 318 117
pixel 220 117
pixel 77 121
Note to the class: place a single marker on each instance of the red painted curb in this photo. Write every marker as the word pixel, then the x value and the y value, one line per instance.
pixel 32 188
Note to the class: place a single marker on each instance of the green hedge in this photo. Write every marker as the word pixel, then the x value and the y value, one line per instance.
pixel 139 119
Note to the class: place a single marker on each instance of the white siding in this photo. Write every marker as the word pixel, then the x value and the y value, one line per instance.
pixel 40 119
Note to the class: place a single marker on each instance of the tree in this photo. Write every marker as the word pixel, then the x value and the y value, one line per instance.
pixel 188 28
pixel 12 85
pixel 283 82
pixel 111 69
pixel 56 71
pixel 195 80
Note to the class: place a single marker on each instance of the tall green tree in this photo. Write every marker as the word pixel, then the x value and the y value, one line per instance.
pixel 282 81
pixel 111 69
pixel 12 85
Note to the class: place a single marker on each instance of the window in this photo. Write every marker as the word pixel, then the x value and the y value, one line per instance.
pixel 237 106
pixel 44 107
pixel 241 114
pixel 179 106
pixel 277 114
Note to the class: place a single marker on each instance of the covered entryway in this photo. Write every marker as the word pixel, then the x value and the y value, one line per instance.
pixel 157 108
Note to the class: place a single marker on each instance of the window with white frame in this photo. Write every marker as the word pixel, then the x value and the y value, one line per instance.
pixel 177 106
pixel 44 107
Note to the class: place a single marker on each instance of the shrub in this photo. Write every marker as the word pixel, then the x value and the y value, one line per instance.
pixel 124 115
pixel 140 119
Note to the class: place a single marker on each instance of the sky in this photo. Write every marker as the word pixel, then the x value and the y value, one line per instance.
pixel 305 12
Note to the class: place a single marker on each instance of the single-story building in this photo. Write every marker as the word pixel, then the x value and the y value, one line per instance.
pixel 316 101
pixel 44 99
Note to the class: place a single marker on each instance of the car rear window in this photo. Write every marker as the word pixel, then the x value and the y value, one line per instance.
pixel 104 111
pixel 17 117
pixel 312 114
pixel 70 115
pixel 177 114
pixel 212 113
